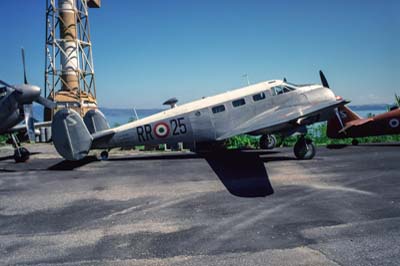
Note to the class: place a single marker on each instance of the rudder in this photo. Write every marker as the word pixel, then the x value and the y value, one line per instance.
pixel 335 125
pixel 95 121
pixel 71 138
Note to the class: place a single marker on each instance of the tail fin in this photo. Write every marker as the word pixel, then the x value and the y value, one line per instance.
pixel 71 138
pixel 336 123
pixel 95 121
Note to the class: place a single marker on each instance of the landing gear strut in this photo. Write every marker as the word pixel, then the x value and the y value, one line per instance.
pixel 21 154
pixel 267 142
pixel 304 149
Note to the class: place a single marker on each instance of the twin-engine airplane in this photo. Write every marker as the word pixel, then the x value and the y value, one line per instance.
pixel 265 108
pixel 15 107
pixel 348 124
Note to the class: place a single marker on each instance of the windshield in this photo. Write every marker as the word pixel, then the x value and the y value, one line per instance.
pixel 297 85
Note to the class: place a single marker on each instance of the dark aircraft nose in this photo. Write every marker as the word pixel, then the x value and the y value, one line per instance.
pixel 29 93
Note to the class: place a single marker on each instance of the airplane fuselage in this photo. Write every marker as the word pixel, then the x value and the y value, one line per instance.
pixel 210 118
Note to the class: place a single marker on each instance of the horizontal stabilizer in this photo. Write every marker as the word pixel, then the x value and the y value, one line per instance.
pixel 71 138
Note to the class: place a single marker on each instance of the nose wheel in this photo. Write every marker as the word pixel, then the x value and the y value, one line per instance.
pixel 21 155
pixel 304 149
pixel 104 155
pixel 267 142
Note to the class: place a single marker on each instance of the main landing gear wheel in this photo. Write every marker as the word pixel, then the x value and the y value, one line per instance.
pixel 267 142
pixel 354 142
pixel 21 155
pixel 304 149
pixel 104 155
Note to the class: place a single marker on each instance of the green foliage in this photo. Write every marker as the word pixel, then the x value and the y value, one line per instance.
pixel 3 139
pixel 242 141
pixel 317 133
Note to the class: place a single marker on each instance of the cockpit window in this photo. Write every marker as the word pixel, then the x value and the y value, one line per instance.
pixel 281 90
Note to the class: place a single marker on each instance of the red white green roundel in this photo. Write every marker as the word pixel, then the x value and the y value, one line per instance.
pixel 161 130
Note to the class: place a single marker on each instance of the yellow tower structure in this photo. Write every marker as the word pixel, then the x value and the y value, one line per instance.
pixel 69 72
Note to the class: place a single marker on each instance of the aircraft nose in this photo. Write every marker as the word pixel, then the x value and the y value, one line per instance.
pixel 29 94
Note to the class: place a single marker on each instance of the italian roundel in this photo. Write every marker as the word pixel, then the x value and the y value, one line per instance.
pixel 161 130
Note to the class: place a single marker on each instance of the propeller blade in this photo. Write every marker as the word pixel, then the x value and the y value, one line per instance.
pixel 10 86
pixel 23 63
pixel 323 79
pixel 339 117
pixel 46 102
pixel 29 123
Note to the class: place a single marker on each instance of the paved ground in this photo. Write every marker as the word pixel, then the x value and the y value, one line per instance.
pixel 236 208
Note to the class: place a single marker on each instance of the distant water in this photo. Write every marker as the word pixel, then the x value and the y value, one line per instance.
pixel 117 116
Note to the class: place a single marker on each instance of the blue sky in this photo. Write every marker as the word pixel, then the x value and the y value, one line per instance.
pixel 148 51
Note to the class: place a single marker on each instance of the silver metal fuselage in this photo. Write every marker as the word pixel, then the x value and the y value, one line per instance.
pixel 198 121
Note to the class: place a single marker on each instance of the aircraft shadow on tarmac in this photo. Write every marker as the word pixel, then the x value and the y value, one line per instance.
pixel 71 165
pixel 242 172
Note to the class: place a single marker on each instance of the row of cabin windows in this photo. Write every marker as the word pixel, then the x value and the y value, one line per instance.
pixel 256 97
pixel 239 102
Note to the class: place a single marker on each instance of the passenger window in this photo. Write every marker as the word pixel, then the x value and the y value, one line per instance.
pixel 218 109
pixel 238 103
pixel 259 96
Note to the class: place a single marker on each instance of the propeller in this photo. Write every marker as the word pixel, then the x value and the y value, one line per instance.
pixel 46 102
pixel 323 79
pixel 325 83
pixel 29 123
pixel 23 64
pixel 19 90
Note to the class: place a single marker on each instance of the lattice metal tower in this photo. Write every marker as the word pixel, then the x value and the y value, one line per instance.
pixel 69 72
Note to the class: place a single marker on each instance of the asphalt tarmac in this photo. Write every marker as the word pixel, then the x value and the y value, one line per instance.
pixel 227 208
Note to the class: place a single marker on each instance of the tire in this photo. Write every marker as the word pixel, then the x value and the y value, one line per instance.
pixel 21 155
pixel 104 155
pixel 304 149
pixel 267 142
pixel 354 142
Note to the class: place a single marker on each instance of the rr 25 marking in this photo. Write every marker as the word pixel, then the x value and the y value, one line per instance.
pixel 178 126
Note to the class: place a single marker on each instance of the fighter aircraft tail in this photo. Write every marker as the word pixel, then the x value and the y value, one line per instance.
pixel 338 122
pixel 71 137
pixel 95 121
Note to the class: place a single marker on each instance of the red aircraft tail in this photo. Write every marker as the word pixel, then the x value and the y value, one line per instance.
pixel 338 122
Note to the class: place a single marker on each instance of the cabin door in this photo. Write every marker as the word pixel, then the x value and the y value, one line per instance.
pixel 202 126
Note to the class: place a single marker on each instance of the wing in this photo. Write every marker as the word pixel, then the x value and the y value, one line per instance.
pixel 280 116
pixel 22 127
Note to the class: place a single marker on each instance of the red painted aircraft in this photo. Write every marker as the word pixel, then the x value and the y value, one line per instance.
pixel 348 124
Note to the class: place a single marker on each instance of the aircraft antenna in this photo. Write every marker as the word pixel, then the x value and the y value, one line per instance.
pixel 135 113
pixel 247 78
